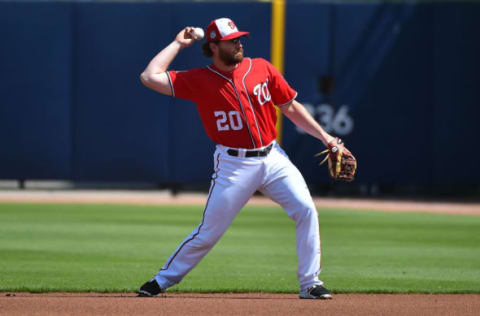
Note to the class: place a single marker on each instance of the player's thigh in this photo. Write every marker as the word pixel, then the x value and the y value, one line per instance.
pixel 233 184
pixel 288 188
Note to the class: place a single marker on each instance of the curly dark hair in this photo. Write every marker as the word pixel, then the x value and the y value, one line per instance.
pixel 206 49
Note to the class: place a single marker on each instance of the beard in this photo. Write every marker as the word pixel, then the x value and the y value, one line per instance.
pixel 230 59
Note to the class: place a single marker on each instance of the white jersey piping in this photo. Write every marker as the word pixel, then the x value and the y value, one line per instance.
pixel 170 82
pixel 296 94
pixel 250 102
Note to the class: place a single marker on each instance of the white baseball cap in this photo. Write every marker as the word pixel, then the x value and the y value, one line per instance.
pixel 223 29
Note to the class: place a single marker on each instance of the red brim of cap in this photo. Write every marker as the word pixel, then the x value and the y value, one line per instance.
pixel 235 35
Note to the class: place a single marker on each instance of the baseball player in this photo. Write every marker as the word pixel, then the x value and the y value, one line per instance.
pixel 236 98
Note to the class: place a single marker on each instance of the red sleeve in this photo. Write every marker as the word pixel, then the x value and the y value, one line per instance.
pixel 183 83
pixel 279 88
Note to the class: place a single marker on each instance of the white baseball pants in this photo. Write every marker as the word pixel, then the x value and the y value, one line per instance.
pixel 234 181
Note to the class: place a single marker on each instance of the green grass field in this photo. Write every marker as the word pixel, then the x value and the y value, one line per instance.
pixel 48 247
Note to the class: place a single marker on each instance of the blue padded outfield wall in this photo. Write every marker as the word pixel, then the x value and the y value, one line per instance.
pixel 397 81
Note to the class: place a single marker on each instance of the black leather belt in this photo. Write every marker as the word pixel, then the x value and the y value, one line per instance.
pixel 252 153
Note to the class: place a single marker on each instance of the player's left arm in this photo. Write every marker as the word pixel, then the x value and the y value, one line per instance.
pixel 297 113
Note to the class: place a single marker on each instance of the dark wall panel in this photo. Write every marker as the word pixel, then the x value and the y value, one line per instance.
pixel 396 81
pixel 457 93
pixel 35 90
pixel 121 129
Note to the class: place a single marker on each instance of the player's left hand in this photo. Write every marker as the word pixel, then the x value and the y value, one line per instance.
pixel 342 165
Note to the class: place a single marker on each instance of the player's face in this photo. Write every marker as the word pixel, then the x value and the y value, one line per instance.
pixel 230 52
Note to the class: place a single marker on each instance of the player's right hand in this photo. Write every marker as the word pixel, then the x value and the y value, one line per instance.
pixel 186 37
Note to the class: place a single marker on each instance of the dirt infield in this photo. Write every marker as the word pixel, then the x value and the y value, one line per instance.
pixel 237 304
pixel 233 304
pixel 164 197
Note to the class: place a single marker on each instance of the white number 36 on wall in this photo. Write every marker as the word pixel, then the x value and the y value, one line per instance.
pixel 339 122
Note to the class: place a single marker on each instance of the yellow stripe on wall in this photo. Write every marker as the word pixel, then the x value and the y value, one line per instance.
pixel 276 47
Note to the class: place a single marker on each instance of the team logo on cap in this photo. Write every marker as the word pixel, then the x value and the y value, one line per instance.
pixel 213 34
pixel 231 24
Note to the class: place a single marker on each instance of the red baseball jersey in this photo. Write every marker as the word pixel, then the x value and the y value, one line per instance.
pixel 237 108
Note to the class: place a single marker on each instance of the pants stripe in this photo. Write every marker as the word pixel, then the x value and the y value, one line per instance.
pixel 203 218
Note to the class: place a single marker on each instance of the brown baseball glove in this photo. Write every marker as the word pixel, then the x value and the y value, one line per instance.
pixel 341 163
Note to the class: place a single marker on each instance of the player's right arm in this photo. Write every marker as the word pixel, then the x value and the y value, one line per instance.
pixel 155 75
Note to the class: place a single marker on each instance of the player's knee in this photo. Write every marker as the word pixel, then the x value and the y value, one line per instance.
pixel 304 210
pixel 205 242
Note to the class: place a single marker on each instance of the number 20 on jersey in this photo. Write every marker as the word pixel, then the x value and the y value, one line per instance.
pixel 228 121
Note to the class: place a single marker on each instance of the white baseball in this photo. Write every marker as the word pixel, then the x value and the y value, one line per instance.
pixel 199 33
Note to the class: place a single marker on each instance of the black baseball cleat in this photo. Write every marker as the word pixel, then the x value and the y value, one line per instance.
pixel 316 292
pixel 149 289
